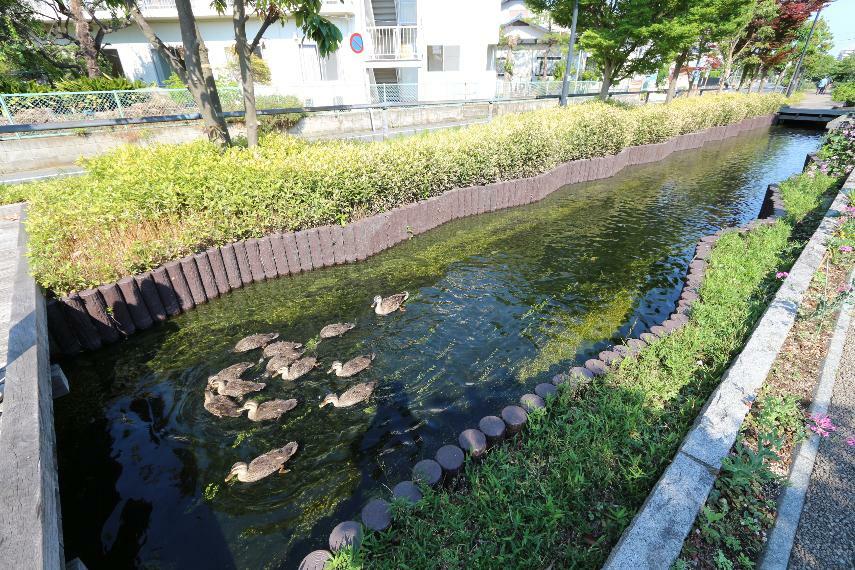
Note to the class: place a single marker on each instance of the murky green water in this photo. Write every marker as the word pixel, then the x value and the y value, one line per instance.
pixel 499 303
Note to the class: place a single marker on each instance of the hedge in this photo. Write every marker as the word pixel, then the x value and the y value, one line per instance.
pixel 138 208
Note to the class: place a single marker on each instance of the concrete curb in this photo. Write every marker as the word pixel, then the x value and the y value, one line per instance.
pixel 792 500
pixel 655 537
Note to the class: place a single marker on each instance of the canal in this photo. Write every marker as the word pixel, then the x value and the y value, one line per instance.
pixel 499 302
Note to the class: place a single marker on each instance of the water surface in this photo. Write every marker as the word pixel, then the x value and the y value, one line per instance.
pixel 499 302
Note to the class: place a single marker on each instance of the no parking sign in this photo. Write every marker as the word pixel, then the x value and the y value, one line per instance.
pixel 356 43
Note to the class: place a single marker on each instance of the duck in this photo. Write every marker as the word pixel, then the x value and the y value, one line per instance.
pixel 270 410
pixel 254 341
pixel 353 396
pixel 336 329
pixel 282 347
pixel 352 367
pixel 263 465
pixel 221 406
pixel 298 368
pixel 233 371
pixel 390 304
pixel 281 360
pixel 234 387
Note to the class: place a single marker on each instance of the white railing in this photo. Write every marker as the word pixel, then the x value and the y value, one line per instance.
pixel 393 42
pixel 155 4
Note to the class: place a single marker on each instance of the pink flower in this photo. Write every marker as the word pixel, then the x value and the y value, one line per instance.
pixel 781 275
pixel 851 441
pixel 822 425
pixel 846 248
pixel 844 289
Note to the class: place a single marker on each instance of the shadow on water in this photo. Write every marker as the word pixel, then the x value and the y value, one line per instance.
pixel 499 302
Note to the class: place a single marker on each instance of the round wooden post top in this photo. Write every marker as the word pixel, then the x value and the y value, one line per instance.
pixel 427 471
pixel 346 534
pixel 493 427
pixel 532 402
pixel 545 389
pixel 408 491
pixel 315 560
pixel 450 458
pixel 597 367
pixel 377 515
pixel 515 417
pixel 473 441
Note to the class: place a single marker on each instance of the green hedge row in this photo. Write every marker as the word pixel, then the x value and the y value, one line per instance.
pixel 137 208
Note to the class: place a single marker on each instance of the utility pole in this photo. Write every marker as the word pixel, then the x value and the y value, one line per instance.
pixel 797 71
pixel 565 85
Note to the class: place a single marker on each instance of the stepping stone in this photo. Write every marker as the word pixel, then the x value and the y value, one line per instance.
pixel 377 514
pixel 427 471
pixel 659 331
pixel 697 265
pixel 679 318
pixel 493 428
pixel 559 379
pixel 544 390
pixel 515 418
pixel 621 350
pixel 315 560
pixel 597 367
pixel 648 337
pixel 581 373
pixel 346 534
pixel 634 345
pixel 609 357
pixel 450 458
pixel 408 491
pixel 709 239
pixel 473 441
pixel 671 325
pixel 532 402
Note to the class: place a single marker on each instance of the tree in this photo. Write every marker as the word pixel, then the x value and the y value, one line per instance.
pixel 306 13
pixel 76 22
pixel 624 37
pixel 844 70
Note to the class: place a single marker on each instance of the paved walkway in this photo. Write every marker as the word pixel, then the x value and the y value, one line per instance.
pixel 814 101
pixel 826 534
pixel 9 238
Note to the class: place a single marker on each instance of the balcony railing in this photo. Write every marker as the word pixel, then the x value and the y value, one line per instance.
pixel 393 42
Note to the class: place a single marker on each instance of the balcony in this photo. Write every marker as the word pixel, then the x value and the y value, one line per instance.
pixel 393 43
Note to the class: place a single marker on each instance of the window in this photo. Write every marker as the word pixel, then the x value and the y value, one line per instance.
pixel 552 62
pixel 501 62
pixel 113 60
pixel 491 58
pixel 310 68
pixel 443 58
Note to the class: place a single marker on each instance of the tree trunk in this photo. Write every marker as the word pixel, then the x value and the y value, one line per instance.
pixel 200 80
pixel 763 72
pixel 545 63
pixel 728 66
pixel 607 81
pixel 675 75
pixel 244 62
pixel 87 45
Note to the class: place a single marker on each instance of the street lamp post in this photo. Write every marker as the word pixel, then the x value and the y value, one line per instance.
pixel 565 85
pixel 797 71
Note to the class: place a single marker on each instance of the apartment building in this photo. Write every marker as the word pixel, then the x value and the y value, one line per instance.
pixel 393 50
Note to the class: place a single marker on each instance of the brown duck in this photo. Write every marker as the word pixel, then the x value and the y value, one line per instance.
pixel 282 347
pixel 221 406
pixel 351 397
pixel 352 367
pixel 263 465
pixel 254 341
pixel 234 387
pixel 281 360
pixel 270 410
pixel 298 368
pixel 336 329
pixel 390 304
pixel 233 371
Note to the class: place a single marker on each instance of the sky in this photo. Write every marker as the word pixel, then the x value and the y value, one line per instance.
pixel 840 16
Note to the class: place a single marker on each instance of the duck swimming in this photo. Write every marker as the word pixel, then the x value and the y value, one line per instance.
pixel 282 347
pixel 221 406
pixel 298 368
pixel 233 371
pixel 270 410
pixel 263 465
pixel 254 341
pixel 351 397
pixel 390 304
pixel 352 367
pixel 280 361
pixel 234 387
pixel 336 329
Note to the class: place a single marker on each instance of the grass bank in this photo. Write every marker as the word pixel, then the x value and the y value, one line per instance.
pixel 562 493
pixel 137 208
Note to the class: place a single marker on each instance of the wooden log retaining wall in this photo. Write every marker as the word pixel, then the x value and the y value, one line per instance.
pixel 89 319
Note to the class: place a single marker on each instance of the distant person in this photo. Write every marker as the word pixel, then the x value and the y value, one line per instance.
pixel 820 86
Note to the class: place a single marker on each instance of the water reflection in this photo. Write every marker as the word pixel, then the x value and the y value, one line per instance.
pixel 499 302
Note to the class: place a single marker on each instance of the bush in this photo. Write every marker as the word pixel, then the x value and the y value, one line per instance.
pixel 99 84
pixel 137 208
pixel 845 93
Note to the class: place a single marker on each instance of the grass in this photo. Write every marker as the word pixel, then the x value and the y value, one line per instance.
pixel 137 208
pixel 561 494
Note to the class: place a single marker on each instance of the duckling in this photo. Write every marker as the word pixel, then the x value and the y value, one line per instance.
pixel 280 360
pixel 352 367
pixel 221 406
pixel 389 304
pixel 282 347
pixel 254 341
pixel 263 465
pixel 234 387
pixel 233 371
pixel 355 395
pixel 298 368
pixel 336 329
pixel 270 410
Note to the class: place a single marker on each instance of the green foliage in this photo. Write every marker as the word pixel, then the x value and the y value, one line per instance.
pixel 803 193
pixel 137 208
pixel 845 93
pixel 844 70
pixel 99 84
pixel 13 193
pixel 259 69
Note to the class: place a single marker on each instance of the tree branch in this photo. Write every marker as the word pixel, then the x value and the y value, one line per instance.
pixel 175 63
pixel 271 16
